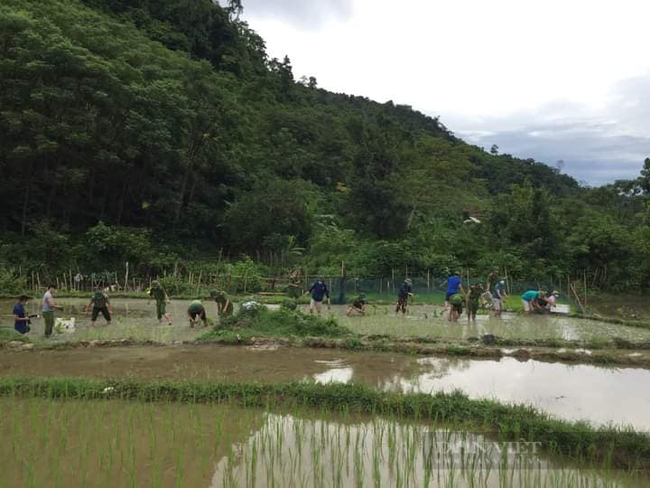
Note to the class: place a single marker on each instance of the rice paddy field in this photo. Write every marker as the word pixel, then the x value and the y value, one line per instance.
pixel 135 319
pixel 113 443
pixel 182 414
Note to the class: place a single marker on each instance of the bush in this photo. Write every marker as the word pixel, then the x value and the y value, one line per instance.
pixel 10 282
pixel 285 323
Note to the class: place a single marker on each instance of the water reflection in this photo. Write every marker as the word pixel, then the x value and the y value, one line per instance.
pixel 292 451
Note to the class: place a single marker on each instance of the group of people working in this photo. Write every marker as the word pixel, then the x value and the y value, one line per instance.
pixel 491 296
pixel 100 304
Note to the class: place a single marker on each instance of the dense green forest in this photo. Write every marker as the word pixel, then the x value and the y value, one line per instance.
pixel 159 131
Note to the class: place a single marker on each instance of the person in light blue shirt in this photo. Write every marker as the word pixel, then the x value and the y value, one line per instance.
pixel 530 300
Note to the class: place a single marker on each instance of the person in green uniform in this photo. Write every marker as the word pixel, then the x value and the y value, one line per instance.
pixel 456 301
pixel 358 305
pixel 294 289
pixel 224 305
pixel 159 294
pixel 195 312
pixel 473 298
pixel 100 304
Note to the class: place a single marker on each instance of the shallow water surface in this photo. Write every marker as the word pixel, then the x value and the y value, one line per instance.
pixel 112 444
pixel 588 392
pixel 135 319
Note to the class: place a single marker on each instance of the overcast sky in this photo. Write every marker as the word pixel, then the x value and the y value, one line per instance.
pixel 552 80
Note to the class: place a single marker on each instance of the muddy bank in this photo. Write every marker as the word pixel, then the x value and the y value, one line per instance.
pixel 567 352
pixel 569 391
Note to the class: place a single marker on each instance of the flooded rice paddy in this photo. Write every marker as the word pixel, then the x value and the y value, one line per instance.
pixel 577 392
pixel 135 319
pixel 120 444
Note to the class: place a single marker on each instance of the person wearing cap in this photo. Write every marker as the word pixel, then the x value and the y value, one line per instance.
pixel 100 304
pixel 21 319
pixel 551 299
pixel 454 286
pixel 196 311
pixel 159 294
pixel 403 295
pixel 358 305
pixel 498 297
pixel 48 309
pixel 531 301
pixel 224 305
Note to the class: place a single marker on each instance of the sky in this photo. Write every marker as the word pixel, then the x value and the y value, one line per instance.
pixel 551 80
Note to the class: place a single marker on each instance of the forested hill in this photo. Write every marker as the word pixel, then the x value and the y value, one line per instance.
pixel 150 130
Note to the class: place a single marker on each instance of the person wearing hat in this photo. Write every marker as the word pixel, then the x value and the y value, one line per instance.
pixel 100 304
pixel 22 321
pixel 551 299
pixel 159 294
pixel 403 295
pixel 358 305
pixel 224 305
pixel 196 311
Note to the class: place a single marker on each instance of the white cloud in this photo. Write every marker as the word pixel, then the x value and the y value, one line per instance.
pixel 575 74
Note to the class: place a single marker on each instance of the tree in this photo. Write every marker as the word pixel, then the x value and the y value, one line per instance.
pixel 494 150
pixel 644 179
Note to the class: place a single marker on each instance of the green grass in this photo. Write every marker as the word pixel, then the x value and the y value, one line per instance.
pixel 7 335
pixel 616 447
pixel 265 323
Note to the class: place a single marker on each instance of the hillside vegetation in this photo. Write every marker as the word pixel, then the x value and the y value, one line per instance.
pixel 150 131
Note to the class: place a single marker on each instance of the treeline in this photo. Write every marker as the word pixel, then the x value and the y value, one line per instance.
pixel 158 131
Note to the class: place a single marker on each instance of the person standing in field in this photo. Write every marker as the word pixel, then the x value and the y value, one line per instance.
pixel 294 289
pixel 159 294
pixel 225 307
pixel 473 298
pixel 454 286
pixel 196 311
pixel 21 319
pixel 492 279
pixel 100 304
pixel 498 297
pixel 358 305
pixel 49 306
pixel 531 301
pixel 405 292
pixel 318 292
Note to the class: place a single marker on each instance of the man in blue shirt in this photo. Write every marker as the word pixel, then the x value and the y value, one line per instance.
pixel 318 292
pixel 21 319
pixel 454 286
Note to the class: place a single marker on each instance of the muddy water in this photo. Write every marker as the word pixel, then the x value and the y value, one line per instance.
pixel 587 392
pixel 135 319
pixel 115 444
